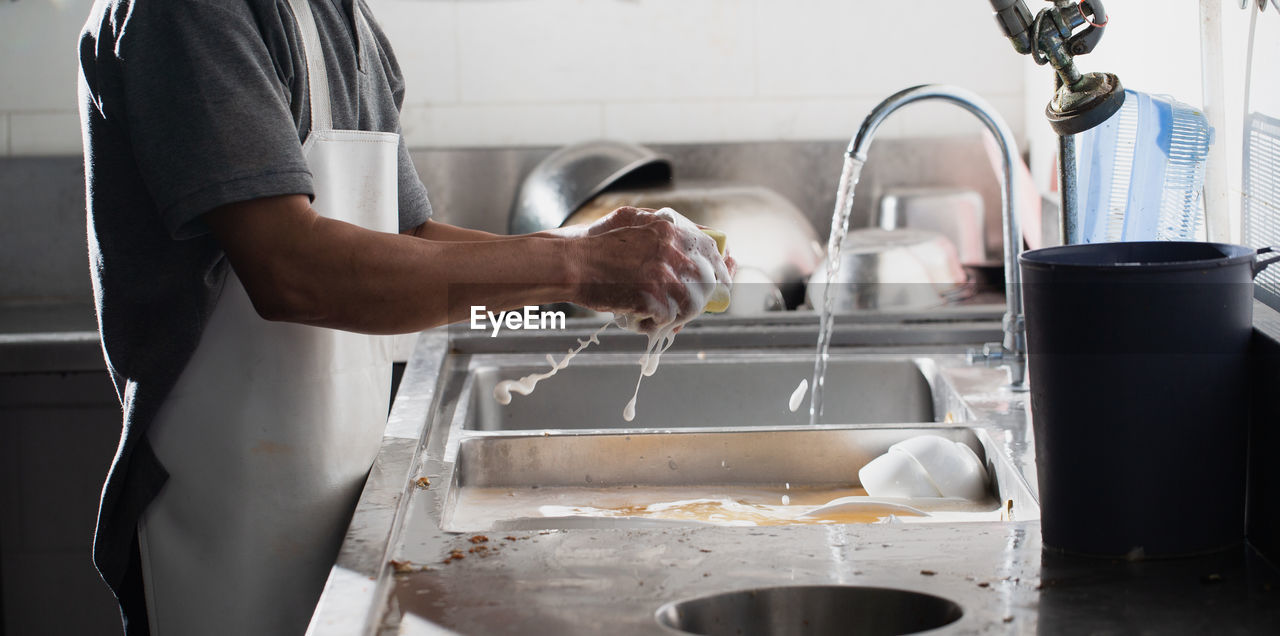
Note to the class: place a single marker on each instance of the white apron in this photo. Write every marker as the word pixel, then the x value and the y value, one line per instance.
pixel 272 427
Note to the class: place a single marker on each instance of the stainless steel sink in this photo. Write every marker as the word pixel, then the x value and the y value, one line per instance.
pixel 713 417
pixel 712 389
pixel 712 425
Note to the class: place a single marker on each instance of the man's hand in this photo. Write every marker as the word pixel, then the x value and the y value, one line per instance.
pixel 637 263
pixel 622 217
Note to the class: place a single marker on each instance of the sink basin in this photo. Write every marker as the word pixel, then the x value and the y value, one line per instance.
pixel 732 390
pixel 728 453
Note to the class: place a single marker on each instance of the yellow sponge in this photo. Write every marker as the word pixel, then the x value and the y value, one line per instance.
pixel 719 300
pixel 717 235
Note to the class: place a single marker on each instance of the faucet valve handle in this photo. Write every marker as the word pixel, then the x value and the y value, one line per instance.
pixel 990 352
pixel 1092 12
pixel 995 353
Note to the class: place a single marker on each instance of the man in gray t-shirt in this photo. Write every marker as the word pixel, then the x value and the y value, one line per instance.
pixel 194 115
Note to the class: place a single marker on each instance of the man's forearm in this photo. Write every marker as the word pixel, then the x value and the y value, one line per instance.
pixel 328 273
pixel 436 231
pixel 416 283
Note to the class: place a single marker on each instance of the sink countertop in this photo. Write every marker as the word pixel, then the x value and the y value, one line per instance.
pixel 597 581
pixel 61 335
pixel 594 580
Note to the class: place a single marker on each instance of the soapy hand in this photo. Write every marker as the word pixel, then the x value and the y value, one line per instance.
pixel 626 216
pixel 655 269
pixel 631 216
pixel 622 217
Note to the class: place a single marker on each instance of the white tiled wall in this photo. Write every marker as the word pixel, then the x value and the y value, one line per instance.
pixel 510 72
pixel 548 72
pixel 38 76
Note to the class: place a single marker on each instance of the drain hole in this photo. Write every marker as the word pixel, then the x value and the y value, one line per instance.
pixel 819 609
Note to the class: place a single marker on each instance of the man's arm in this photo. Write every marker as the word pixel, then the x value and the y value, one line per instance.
pixel 434 231
pixel 622 217
pixel 298 266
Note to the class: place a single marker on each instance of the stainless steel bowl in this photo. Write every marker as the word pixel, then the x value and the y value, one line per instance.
pixel 765 232
pixel 956 213
pixel 892 269
pixel 571 176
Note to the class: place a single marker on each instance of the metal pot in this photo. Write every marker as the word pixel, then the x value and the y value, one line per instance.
pixel 571 176
pixel 766 233
pixel 884 269
pixel 1139 363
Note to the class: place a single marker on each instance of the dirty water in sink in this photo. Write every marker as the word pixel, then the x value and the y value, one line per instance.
pixel 479 509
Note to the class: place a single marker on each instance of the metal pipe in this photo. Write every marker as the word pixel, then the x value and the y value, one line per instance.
pixel 1069 217
pixel 1014 347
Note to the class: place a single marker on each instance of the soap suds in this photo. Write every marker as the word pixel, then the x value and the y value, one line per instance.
pixel 524 386
pixel 712 275
pixel 797 396
pixel 710 280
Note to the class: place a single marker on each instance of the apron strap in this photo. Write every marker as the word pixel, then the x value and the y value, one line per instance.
pixel 317 73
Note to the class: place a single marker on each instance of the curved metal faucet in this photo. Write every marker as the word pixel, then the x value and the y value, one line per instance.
pixel 1013 350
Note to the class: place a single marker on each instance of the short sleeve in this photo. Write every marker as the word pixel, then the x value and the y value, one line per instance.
pixel 207 116
pixel 415 207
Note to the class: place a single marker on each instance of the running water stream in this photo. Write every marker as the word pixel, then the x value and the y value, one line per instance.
pixel 839 228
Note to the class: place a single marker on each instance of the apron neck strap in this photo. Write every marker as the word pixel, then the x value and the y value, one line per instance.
pixel 317 73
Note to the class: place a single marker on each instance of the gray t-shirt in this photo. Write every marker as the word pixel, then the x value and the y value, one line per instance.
pixel 188 105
